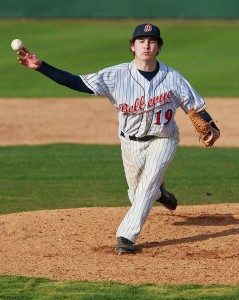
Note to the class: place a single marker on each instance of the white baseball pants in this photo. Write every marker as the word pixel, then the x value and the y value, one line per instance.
pixel 145 164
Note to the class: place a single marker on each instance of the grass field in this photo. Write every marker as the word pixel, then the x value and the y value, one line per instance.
pixel 65 176
pixel 204 52
pixel 30 288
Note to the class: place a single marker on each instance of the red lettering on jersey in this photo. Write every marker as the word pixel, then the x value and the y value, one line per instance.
pixel 159 99
pixel 150 102
pixel 139 103
pixel 137 106
pixel 124 107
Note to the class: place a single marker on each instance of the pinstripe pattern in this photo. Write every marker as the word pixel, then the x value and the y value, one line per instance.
pixel 144 108
pixel 123 84
pixel 144 164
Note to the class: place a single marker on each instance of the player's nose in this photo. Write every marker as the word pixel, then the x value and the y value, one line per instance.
pixel 146 44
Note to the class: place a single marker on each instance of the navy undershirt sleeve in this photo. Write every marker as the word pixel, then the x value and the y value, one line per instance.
pixel 205 116
pixel 69 80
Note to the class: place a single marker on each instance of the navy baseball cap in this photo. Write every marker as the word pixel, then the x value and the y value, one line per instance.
pixel 146 30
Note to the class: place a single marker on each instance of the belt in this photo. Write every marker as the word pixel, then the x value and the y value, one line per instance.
pixel 141 139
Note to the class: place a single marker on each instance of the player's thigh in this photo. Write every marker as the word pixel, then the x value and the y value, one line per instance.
pixel 159 155
pixel 133 156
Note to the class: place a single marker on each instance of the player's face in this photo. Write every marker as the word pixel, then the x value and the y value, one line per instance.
pixel 145 48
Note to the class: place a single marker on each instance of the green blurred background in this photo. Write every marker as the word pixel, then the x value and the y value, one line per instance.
pixel 205 52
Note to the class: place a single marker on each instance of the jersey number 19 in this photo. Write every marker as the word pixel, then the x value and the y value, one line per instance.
pixel 163 119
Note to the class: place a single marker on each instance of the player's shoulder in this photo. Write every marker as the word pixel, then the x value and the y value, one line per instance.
pixel 115 68
pixel 168 69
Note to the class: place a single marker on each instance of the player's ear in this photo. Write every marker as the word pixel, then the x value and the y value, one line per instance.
pixel 159 48
pixel 132 48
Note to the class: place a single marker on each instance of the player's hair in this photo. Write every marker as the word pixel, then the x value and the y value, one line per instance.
pixel 159 40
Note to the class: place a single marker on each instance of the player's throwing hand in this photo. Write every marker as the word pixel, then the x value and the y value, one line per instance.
pixel 28 59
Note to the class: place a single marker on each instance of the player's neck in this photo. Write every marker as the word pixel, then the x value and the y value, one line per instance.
pixel 147 66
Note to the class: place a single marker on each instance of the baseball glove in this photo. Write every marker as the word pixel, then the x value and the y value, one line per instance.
pixel 205 127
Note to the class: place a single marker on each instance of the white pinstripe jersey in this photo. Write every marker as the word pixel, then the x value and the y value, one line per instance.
pixel 145 107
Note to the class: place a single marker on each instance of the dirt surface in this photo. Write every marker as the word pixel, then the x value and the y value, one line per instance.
pixel 197 244
pixel 94 120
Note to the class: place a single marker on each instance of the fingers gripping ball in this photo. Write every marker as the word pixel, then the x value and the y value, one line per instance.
pixel 207 131
pixel 16 44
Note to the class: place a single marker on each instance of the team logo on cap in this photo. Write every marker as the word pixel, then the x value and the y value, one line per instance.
pixel 147 28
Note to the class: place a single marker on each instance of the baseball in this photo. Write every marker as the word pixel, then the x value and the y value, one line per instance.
pixel 16 44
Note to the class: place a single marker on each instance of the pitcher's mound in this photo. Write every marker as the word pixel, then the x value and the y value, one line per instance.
pixel 196 244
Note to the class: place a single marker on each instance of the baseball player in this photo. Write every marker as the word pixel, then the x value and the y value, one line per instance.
pixel 146 94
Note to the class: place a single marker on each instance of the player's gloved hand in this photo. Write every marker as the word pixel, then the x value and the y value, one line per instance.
pixel 211 136
pixel 28 59
pixel 206 129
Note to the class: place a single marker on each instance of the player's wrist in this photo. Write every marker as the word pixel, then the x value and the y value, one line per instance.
pixel 38 64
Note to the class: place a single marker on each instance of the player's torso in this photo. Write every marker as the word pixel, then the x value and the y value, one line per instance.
pixel 146 107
